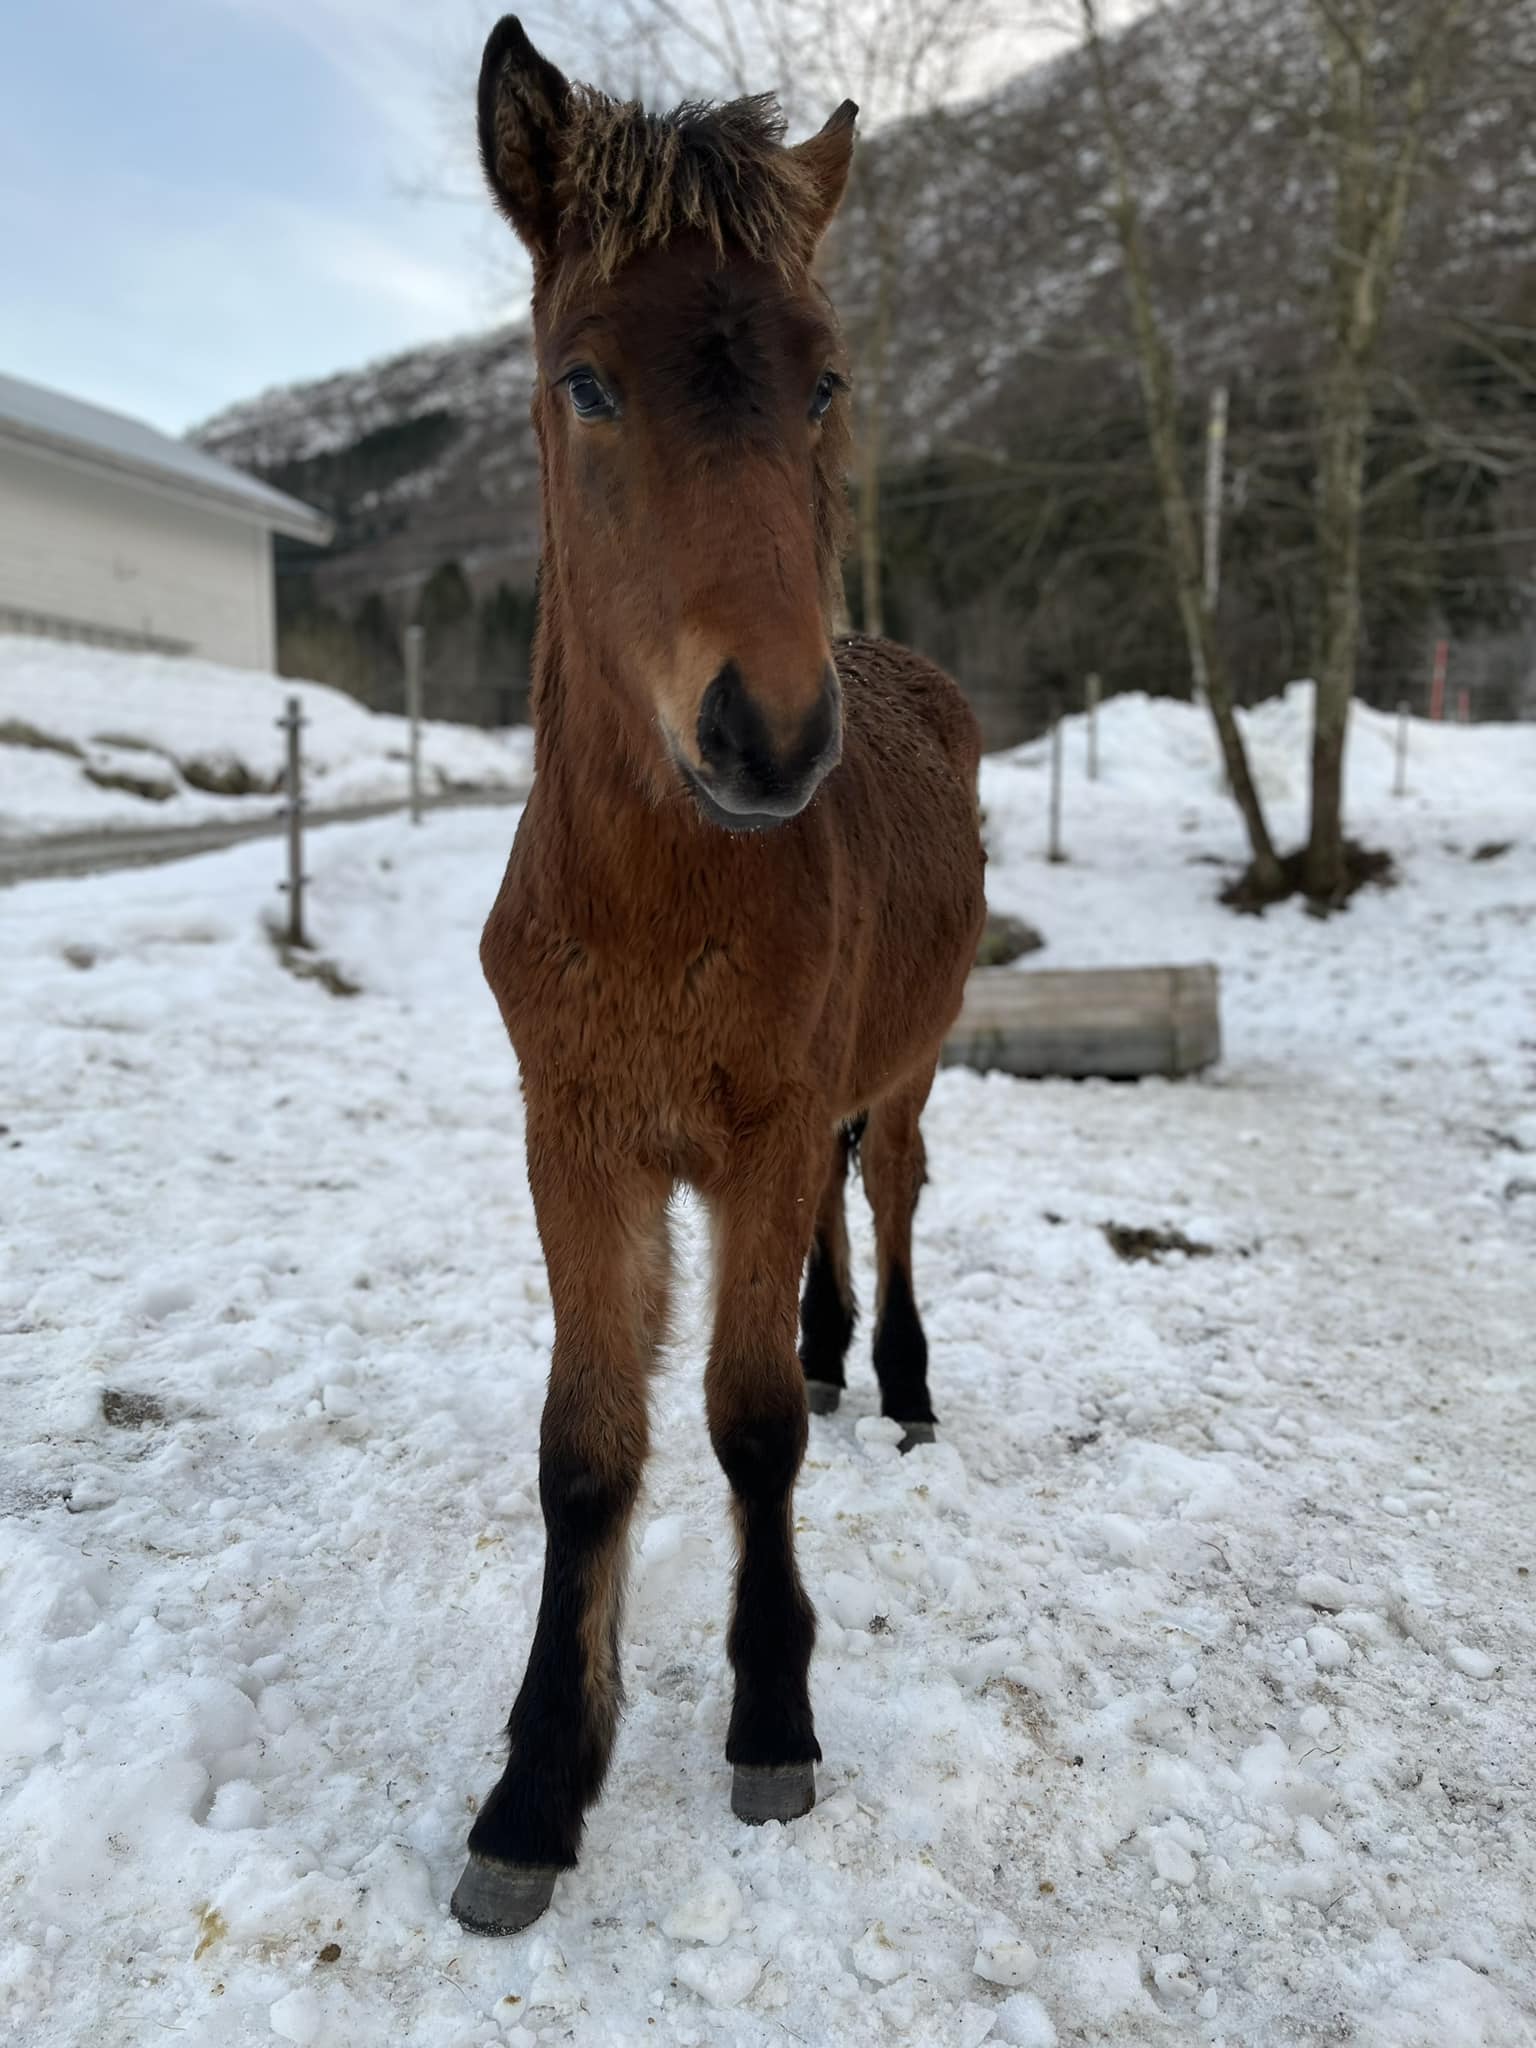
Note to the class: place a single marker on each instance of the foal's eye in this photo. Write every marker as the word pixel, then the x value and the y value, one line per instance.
pixel 589 399
pixel 826 391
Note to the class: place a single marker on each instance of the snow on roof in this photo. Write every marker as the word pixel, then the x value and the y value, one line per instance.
pixel 35 417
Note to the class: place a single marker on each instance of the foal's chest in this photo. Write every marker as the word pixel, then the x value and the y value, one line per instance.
pixel 669 983
pixel 657 1007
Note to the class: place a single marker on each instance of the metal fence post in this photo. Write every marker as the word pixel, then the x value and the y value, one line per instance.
pixel 291 723
pixel 1092 694
pixel 1054 851
pixel 413 640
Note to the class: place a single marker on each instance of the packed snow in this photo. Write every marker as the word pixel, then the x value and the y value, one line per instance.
pixel 1181 1692
pixel 91 738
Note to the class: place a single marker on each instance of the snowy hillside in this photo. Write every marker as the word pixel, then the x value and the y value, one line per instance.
pixel 429 454
pixel 1224 101
pixel 300 422
pixel 1180 1694
pixel 90 738
pixel 426 456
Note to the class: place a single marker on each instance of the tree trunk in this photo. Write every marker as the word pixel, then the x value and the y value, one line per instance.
pixel 871 611
pixel 1371 194
pixel 1346 415
pixel 1207 656
pixel 872 447
pixel 1160 402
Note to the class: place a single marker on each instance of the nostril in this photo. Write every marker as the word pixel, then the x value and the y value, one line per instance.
pixel 822 736
pixel 731 732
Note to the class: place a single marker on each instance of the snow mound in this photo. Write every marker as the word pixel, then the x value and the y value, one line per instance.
pixel 94 738
pixel 1178 1695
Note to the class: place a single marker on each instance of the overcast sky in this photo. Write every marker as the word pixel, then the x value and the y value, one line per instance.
pixel 202 198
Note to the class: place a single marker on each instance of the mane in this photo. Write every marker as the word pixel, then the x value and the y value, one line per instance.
pixel 630 180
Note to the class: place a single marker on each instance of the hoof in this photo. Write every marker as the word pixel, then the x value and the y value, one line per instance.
pixel 502 1898
pixel 822 1397
pixel 914 1433
pixel 762 1792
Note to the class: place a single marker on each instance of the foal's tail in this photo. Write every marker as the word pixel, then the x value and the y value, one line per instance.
pixel 849 1136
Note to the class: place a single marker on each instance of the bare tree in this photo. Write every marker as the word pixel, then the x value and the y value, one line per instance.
pixel 1374 162
pixel 1356 86
pixel 900 60
pixel 1154 361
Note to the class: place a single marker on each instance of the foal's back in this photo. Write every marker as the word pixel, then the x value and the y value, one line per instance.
pixel 905 807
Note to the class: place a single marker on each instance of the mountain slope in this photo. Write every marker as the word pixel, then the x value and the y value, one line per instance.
pixel 1007 313
pixel 424 457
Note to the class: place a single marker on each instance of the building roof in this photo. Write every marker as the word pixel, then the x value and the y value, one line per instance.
pixel 51 423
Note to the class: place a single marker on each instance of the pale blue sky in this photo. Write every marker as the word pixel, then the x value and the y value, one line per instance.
pixel 199 198
pixel 203 198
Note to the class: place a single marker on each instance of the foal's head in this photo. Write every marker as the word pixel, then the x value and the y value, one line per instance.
pixel 691 418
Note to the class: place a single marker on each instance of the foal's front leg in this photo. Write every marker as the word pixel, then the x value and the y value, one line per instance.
pixel 605 1246
pixel 755 1397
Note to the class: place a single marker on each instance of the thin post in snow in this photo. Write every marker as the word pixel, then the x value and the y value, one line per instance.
pixel 1400 778
pixel 1215 493
pixel 1091 693
pixel 1215 487
pixel 292 722
pixel 413 640
pixel 1437 679
pixel 1053 851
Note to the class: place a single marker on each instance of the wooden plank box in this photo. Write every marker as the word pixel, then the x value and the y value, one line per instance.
pixel 1116 1022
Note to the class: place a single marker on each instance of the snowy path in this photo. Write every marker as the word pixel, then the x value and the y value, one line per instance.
pixel 52 855
pixel 1188 1679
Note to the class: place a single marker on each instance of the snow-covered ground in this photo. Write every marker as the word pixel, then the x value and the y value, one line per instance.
pixel 1181 1694
pixel 156 730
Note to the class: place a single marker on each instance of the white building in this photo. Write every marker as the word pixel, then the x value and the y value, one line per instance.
pixel 113 533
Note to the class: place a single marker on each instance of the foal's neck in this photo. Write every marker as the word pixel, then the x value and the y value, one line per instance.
pixel 584 724
pixel 599 752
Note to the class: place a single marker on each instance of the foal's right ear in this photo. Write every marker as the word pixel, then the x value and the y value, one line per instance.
pixel 523 105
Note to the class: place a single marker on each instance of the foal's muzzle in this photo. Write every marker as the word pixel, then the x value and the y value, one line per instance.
pixel 750 779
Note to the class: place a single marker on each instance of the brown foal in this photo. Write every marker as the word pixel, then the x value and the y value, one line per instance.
pixel 740 906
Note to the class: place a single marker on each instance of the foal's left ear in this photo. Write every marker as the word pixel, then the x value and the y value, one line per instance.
pixel 826 155
pixel 523 106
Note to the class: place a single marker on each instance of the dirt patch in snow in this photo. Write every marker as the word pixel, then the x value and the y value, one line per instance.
pixel 1133 1244
pixel 15 732
pixel 226 775
pixel 306 966
pixel 1364 866
pixel 1005 940
pixel 121 1409
pixel 153 789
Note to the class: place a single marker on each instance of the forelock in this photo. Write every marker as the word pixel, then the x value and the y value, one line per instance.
pixel 630 180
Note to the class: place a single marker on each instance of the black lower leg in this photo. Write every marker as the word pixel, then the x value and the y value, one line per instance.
pixel 827 1310
pixel 773 1628
pixel 772 1636
pixel 901 1353
pixel 563 1722
pixel 827 1316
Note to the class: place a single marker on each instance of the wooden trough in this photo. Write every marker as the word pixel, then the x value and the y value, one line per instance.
pixel 1117 1022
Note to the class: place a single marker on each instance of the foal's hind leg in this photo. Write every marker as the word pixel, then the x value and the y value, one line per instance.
pixel 606 1249
pixel 895 1167
pixel 754 1393
pixel 828 1310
